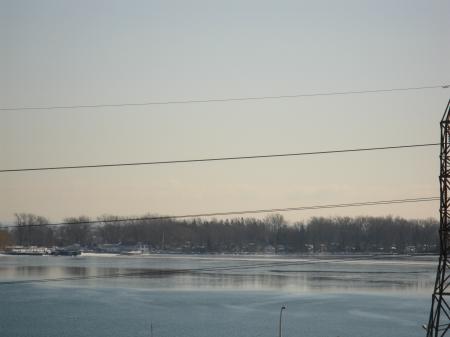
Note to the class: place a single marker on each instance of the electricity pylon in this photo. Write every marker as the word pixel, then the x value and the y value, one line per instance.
pixel 439 322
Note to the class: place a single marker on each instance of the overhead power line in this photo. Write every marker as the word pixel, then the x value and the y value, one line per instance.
pixel 218 100
pixel 166 162
pixel 258 211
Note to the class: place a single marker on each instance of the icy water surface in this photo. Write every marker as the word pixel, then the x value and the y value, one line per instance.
pixel 196 296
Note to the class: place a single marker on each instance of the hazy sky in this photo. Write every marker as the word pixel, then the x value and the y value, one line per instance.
pixel 94 52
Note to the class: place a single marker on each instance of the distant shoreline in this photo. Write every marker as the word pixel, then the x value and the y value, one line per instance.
pixel 379 256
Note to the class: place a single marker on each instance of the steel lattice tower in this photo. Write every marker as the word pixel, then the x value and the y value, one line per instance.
pixel 439 322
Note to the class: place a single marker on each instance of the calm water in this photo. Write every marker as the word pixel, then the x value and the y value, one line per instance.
pixel 196 296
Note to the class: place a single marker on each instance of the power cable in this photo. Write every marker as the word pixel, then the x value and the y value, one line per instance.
pixel 229 99
pixel 166 162
pixel 270 210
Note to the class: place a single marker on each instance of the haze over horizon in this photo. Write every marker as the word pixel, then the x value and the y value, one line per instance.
pixel 106 52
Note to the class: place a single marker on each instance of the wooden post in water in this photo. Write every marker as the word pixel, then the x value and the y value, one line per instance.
pixel 279 325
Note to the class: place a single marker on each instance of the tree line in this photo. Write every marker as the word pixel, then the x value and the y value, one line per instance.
pixel 271 234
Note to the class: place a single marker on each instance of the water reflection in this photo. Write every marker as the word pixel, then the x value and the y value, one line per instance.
pixel 405 275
